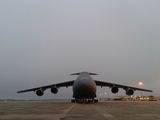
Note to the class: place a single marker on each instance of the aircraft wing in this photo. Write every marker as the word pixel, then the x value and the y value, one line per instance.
pixel 64 84
pixel 107 84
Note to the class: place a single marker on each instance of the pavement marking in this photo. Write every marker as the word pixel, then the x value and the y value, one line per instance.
pixel 101 111
pixel 68 112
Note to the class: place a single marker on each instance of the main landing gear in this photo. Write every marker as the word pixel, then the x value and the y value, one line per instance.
pixel 84 101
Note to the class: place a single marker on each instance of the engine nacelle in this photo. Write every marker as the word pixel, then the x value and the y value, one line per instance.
pixel 115 89
pixel 54 90
pixel 129 92
pixel 39 92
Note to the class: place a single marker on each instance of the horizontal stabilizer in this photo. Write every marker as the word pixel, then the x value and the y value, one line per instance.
pixel 93 74
pixel 75 74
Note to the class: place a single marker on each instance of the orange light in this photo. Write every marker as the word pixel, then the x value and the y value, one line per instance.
pixel 140 83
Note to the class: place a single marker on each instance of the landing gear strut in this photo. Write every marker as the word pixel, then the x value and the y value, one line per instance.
pixel 73 101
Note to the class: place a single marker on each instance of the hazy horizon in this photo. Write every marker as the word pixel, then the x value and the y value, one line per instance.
pixel 43 42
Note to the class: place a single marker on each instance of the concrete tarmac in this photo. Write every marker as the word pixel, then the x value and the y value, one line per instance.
pixel 64 110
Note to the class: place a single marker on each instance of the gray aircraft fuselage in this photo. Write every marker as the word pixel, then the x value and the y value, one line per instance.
pixel 84 87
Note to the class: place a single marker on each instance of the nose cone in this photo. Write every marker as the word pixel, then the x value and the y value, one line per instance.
pixel 84 88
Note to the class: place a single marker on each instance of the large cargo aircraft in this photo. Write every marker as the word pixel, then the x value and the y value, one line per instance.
pixel 84 87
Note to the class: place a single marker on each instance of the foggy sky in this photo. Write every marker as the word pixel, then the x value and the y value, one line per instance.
pixel 42 42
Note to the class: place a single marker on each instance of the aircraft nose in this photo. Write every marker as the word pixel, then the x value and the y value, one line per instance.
pixel 87 87
pixel 85 83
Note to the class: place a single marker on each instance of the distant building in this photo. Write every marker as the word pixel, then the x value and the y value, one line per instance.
pixel 151 98
pixel 137 98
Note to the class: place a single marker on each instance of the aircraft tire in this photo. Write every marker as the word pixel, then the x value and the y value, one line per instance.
pixel 95 101
pixel 73 101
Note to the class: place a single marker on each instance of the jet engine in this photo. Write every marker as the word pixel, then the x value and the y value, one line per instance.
pixel 129 91
pixel 114 89
pixel 54 90
pixel 39 92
